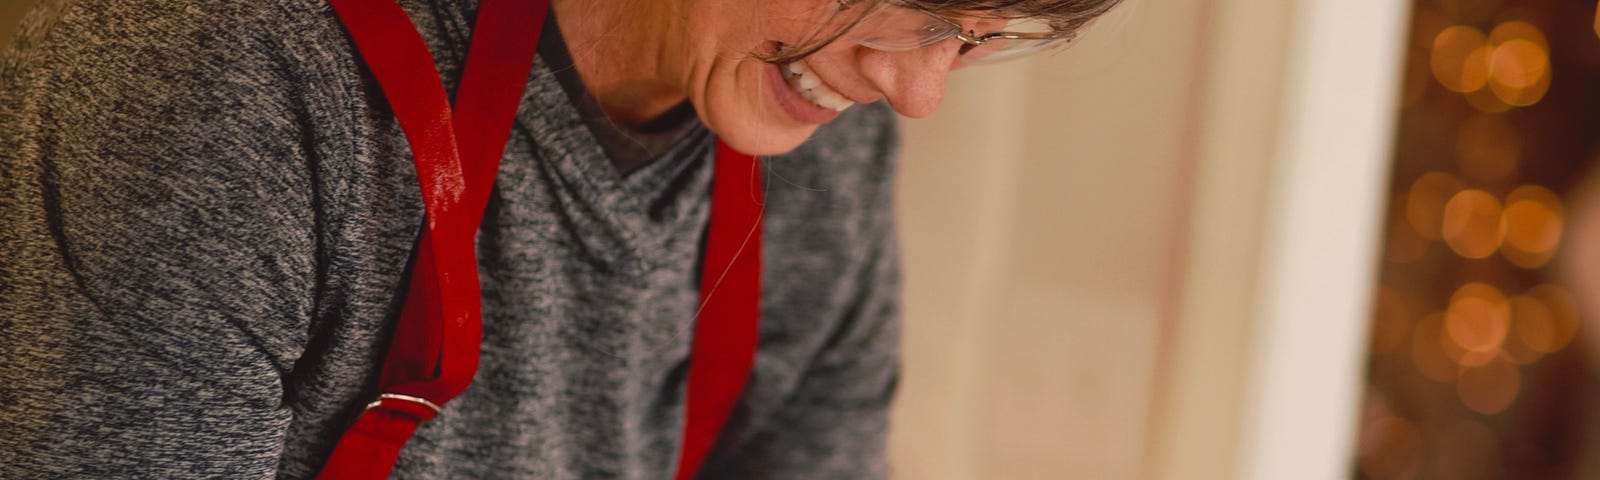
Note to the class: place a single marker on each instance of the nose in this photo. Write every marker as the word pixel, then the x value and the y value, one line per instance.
pixel 912 80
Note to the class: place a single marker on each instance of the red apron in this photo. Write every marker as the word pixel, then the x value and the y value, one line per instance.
pixel 434 352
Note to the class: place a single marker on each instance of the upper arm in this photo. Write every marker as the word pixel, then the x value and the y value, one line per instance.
pixel 157 232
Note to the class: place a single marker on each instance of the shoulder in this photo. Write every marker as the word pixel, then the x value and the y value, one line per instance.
pixel 210 83
pixel 144 49
pixel 187 92
pixel 142 28
pixel 164 132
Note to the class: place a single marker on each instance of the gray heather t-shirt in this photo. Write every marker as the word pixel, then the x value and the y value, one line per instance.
pixel 206 215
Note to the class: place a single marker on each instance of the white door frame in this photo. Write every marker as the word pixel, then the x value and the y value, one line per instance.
pixel 1292 169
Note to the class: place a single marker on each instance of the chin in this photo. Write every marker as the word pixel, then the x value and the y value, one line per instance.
pixel 759 128
pixel 763 141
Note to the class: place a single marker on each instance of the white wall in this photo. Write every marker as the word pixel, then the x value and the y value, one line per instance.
pixel 1038 209
pixel 1150 258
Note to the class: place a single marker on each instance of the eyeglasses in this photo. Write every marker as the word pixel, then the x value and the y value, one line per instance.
pixel 898 27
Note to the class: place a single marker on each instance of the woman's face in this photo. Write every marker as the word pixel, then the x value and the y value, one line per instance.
pixel 763 109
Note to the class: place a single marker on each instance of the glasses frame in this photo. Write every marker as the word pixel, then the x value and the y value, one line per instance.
pixel 970 39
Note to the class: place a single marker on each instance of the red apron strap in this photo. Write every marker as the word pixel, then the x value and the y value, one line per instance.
pixel 499 60
pixel 727 330
pixel 433 354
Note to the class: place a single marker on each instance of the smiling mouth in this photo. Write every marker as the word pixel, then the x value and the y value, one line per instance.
pixel 810 86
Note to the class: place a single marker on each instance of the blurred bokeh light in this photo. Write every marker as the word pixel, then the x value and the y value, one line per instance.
pixel 1470 224
pixel 1476 370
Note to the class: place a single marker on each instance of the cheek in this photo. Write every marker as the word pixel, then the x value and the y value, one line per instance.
pixel 741 109
pixel 730 89
pixel 740 27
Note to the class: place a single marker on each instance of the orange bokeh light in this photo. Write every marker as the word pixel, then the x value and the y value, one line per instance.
pixel 1518 30
pixel 1518 64
pixel 1461 356
pixel 1533 224
pixel 1471 224
pixel 1478 318
pixel 1522 97
pixel 1513 61
pixel 1519 67
pixel 1460 58
pixel 1532 227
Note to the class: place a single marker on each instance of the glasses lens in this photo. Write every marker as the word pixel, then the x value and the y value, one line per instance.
pixel 898 29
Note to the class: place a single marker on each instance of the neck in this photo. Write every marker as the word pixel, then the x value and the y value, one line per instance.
pixel 624 54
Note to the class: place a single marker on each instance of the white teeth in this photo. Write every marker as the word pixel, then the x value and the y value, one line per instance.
pixel 808 81
pixel 811 87
pixel 835 102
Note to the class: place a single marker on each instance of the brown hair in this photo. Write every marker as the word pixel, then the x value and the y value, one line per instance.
pixel 1066 16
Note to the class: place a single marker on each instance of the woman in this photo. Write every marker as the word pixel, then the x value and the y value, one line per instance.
pixel 210 220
